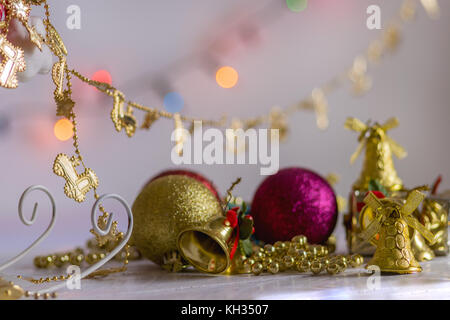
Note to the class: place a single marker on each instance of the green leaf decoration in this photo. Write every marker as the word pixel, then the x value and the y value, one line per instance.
pixel 245 228
pixel 375 185
pixel 247 246
pixel 243 209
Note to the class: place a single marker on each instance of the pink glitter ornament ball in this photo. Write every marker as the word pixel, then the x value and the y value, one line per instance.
pixel 294 202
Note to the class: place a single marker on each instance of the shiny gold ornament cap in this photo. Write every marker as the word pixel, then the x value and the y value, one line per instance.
pixel 164 208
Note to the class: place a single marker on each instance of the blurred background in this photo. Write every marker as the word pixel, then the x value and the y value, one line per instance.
pixel 151 48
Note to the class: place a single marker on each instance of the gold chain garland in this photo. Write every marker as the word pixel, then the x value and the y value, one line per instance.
pixel 77 185
pixel 298 255
pixel 357 75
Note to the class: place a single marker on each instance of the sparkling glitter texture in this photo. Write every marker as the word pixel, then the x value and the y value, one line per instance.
pixel 292 202
pixel 165 207
pixel 191 174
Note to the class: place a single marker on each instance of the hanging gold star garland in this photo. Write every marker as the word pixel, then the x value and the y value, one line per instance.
pixel 123 116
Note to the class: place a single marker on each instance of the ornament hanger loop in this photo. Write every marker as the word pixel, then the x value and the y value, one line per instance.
pixel 29 222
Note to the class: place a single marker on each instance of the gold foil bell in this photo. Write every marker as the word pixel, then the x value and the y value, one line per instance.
pixel 391 223
pixel 208 247
pixel 378 163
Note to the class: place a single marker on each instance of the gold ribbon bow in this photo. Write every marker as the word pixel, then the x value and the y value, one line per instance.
pixel 383 210
pixel 359 126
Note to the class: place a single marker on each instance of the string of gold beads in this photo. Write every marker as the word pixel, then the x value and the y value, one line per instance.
pixel 37 295
pixel 298 255
pixel 78 256
pixel 46 280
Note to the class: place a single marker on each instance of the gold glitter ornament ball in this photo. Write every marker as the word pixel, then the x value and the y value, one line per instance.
pixel 165 207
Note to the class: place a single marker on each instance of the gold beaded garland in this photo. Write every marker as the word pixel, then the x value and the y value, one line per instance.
pixel 298 255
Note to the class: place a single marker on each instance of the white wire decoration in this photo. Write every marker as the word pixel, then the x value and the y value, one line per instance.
pixel 98 230
pixel 104 232
pixel 30 222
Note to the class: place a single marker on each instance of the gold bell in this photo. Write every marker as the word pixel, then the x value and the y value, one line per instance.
pixel 394 253
pixel 391 222
pixel 207 247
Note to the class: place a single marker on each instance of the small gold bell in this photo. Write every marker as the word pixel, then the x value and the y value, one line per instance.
pixel 207 247
pixel 391 223
pixel 394 253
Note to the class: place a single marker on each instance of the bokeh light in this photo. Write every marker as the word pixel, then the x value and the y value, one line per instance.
pixel 4 123
pixel 102 76
pixel 297 5
pixel 63 129
pixel 173 102
pixel 227 77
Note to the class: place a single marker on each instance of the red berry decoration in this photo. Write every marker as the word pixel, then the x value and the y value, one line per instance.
pixel 294 202
pixel 232 218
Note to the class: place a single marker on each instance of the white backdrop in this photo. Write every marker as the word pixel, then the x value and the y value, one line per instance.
pixel 295 53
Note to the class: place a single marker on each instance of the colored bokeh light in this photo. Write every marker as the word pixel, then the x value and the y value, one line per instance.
pixel 297 5
pixel 227 77
pixel 173 102
pixel 63 130
pixel 102 76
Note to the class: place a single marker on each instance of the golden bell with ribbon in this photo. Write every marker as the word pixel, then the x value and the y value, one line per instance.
pixel 391 225
pixel 379 147
pixel 208 247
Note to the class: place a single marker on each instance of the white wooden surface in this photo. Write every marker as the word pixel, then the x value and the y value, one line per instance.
pixel 144 280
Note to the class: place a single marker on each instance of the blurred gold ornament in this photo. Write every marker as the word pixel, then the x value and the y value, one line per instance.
pixel 164 208
pixel 432 8
pixel 10 291
pixel 180 136
pixel 392 37
pixel 434 216
pixel 375 51
pixel 150 118
pixel 408 10
pixel 235 145
pixel 358 76
pixel 420 248
pixel 278 120
pixel 378 164
pixel 391 222
pixel 320 105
